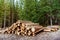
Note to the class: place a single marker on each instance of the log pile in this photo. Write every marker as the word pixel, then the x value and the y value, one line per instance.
pixel 49 29
pixel 27 28
pixel 24 28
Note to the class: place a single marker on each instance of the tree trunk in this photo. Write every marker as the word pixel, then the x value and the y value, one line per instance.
pixel 4 16
pixel 51 22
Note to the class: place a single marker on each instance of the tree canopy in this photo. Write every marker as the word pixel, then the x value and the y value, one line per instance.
pixel 44 12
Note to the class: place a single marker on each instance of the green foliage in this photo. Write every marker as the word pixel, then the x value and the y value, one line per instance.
pixel 39 11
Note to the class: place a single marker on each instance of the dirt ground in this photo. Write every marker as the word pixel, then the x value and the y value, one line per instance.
pixel 40 36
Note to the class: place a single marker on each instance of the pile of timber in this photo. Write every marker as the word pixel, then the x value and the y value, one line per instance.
pixel 52 28
pixel 27 28
pixel 24 28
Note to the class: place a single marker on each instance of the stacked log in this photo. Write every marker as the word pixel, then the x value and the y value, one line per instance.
pixel 47 29
pixel 27 28
pixel 52 28
pixel 23 28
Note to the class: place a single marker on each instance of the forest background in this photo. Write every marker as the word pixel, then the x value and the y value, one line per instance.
pixel 44 12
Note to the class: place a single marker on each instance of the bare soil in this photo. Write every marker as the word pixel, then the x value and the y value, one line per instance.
pixel 40 36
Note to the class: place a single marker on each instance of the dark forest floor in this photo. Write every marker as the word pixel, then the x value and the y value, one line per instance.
pixel 40 36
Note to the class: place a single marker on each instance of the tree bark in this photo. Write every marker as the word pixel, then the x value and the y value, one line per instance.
pixel 4 16
pixel 51 22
